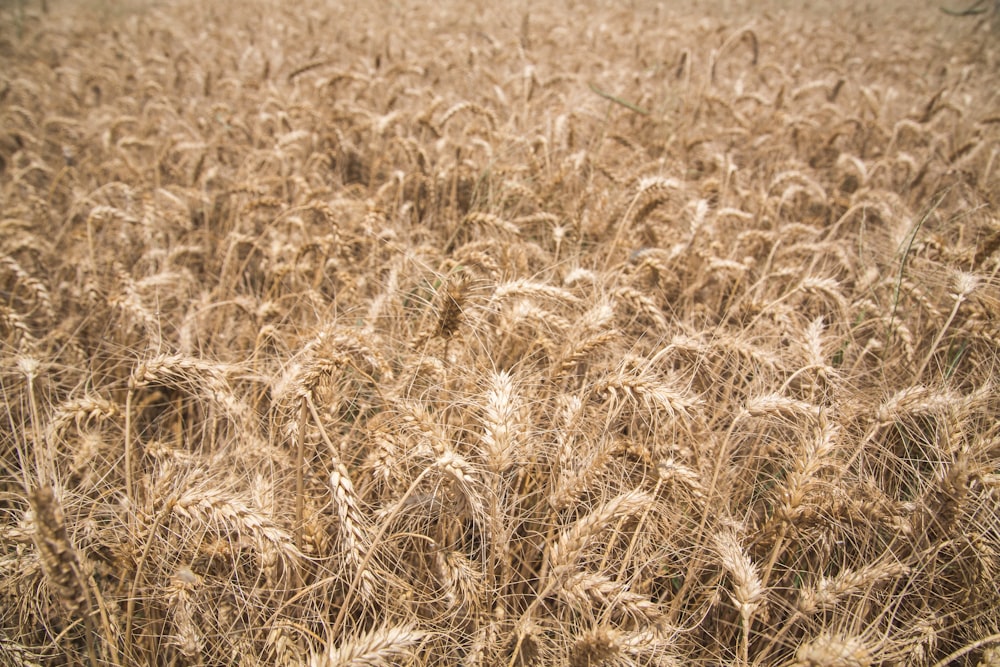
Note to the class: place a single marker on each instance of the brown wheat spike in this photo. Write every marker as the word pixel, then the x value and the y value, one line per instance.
pixel 943 509
pixel 986 249
pixel 491 221
pixel 60 561
pixel 451 307
pixel 331 349
pixel 642 305
pixel 577 351
pixel 471 107
pixel 463 475
pixel 575 539
pixel 130 302
pixel 650 193
pixel 748 593
pixel 813 350
pixel 82 412
pixel 829 591
pixel 671 471
pixel 525 644
pixel 815 454
pixel 923 638
pixel 652 392
pixel 470 257
pixel 595 648
pixel 388 645
pixel 595 595
pixel 578 473
pixel 914 401
pixel 502 423
pixel 17 655
pixel 460 580
pixel 378 304
pixel 781 406
pixel 991 657
pixel 568 414
pixel 181 610
pixel 352 526
pixel 528 312
pixel 834 650
pixel 38 290
pixel 528 288
pixel 382 464
pixel 580 275
pixel 18 331
pixel 286 645
pixel 219 510
pixel 198 377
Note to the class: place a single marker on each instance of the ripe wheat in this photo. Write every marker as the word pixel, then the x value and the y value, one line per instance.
pixel 460 334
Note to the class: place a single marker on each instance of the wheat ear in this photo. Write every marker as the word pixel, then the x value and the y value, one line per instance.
pixel 834 650
pixel 828 591
pixel 60 562
pixel 501 436
pixel 385 646
pixel 352 526
pixel 576 538
pixel 748 589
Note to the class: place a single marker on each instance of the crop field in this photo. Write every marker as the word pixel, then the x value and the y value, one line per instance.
pixel 568 333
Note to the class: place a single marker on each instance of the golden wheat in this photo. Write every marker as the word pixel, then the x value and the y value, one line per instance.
pixel 395 333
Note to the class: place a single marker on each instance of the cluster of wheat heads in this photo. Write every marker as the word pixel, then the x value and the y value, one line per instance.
pixel 359 334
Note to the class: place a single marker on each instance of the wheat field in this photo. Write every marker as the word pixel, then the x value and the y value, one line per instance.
pixel 468 333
